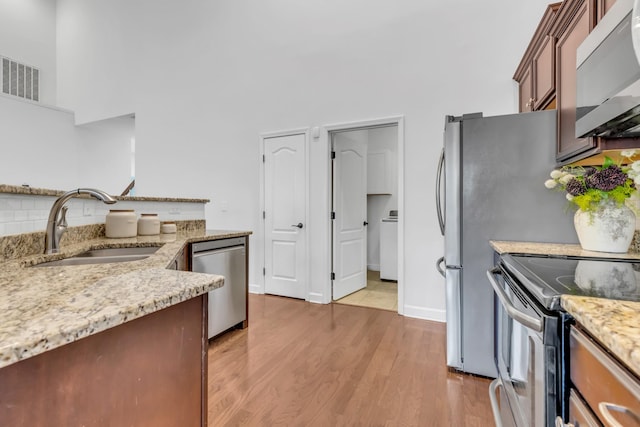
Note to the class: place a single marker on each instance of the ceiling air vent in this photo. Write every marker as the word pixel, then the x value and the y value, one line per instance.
pixel 19 79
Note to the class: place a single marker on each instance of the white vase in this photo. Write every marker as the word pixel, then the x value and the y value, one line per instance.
pixel 610 228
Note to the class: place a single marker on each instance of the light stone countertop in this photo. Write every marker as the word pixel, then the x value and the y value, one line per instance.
pixel 503 246
pixel 35 191
pixel 42 308
pixel 615 323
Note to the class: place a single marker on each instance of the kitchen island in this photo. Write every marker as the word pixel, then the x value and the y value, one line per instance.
pixel 106 344
pixel 615 324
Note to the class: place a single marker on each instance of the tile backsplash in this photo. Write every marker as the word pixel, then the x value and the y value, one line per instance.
pixel 20 213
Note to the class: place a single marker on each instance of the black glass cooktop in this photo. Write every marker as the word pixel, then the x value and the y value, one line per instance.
pixel 547 277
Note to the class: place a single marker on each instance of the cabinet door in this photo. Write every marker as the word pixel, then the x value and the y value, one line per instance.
pixel 379 172
pixel 603 7
pixel 568 41
pixel 544 74
pixel 181 261
pixel 526 91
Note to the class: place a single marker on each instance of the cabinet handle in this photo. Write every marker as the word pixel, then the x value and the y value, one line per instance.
pixel 560 423
pixel 604 410
pixel 530 102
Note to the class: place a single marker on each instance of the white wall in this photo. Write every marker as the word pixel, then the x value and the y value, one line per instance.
pixel 206 78
pixel 28 35
pixel 105 153
pixel 96 51
pixel 42 147
pixel 39 145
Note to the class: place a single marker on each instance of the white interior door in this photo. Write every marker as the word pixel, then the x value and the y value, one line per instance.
pixel 285 215
pixel 350 207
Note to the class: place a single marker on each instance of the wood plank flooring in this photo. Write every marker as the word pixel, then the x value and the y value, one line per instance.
pixel 303 364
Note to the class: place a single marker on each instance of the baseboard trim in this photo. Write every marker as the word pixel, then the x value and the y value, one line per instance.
pixel 316 298
pixel 373 267
pixel 425 313
pixel 255 289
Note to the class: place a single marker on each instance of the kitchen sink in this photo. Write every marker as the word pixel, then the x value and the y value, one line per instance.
pixel 103 256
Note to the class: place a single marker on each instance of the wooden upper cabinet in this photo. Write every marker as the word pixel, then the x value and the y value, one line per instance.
pixel 547 78
pixel 536 73
pixel 544 72
pixel 603 7
pixel 526 90
pixel 574 22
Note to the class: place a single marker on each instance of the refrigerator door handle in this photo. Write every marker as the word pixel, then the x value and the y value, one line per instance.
pixel 438 264
pixel 439 192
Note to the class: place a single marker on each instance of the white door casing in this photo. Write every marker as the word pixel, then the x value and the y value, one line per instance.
pixel 285 193
pixel 350 207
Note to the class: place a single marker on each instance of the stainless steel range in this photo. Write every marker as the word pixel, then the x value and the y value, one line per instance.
pixel 531 330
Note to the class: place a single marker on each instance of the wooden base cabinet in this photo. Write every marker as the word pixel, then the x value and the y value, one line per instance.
pixel 602 389
pixel 151 371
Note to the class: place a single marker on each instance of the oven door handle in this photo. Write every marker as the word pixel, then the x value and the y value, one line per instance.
pixel 495 407
pixel 528 321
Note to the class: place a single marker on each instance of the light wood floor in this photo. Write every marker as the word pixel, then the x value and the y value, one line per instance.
pixel 303 364
pixel 378 294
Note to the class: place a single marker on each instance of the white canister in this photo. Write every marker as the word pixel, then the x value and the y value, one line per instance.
pixel 120 223
pixel 148 224
pixel 168 227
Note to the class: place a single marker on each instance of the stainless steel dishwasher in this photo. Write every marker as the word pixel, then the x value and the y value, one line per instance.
pixel 226 257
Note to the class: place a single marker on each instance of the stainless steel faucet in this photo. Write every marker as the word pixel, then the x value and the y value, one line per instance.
pixel 57 223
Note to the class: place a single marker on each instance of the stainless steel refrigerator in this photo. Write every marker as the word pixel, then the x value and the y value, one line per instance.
pixel 490 186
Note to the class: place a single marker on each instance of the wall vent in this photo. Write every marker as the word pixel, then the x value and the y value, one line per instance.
pixel 19 79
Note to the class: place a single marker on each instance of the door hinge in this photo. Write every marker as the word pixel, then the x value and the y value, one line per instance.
pixel 264 214
pixel 264 271
pixel 333 276
pixel 333 215
pixel 333 155
pixel 264 158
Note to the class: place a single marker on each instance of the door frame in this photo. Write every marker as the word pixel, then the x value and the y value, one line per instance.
pixel 260 287
pixel 325 140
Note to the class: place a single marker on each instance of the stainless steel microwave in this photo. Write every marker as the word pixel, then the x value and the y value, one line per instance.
pixel 608 76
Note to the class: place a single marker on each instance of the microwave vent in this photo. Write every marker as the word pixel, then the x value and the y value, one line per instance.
pixel 19 79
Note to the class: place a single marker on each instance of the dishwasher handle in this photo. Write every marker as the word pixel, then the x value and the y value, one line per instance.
pixel 217 251
pixel 216 244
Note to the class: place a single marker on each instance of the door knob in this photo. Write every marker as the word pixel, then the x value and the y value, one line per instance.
pixel 299 225
pixel 365 223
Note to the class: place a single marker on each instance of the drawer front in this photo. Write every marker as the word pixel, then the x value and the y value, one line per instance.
pixel 609 389
pixel 579 413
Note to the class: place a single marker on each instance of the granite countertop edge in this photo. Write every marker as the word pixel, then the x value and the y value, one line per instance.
pixel 35 191
pixel 614 323
pixel 43 308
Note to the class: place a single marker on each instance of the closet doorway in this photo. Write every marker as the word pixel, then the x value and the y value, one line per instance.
pixel 365 200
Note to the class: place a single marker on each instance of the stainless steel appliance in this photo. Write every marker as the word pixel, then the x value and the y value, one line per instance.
pixel 608 77
pixel 225 257
pixel 490 186
pixel 532 332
